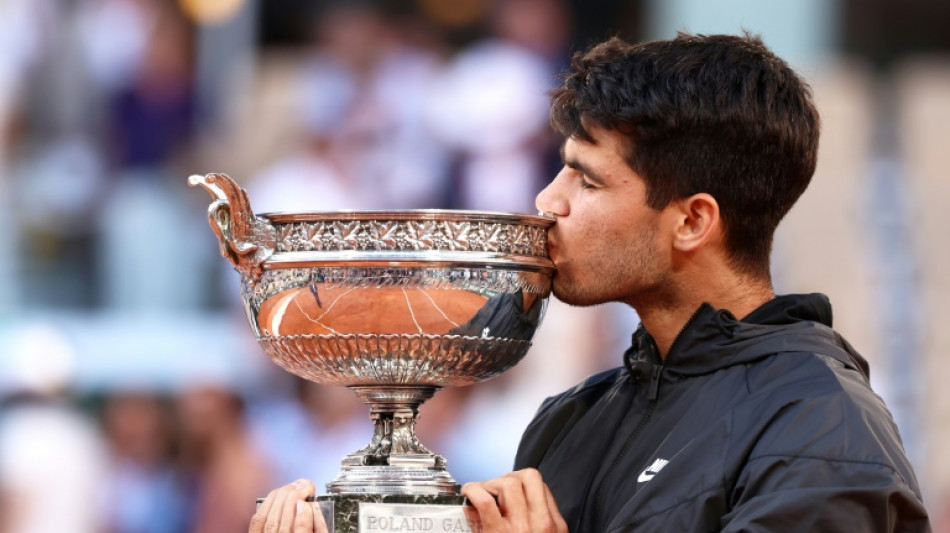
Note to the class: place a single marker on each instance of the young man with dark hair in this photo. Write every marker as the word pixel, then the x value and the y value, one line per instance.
pixel 734 409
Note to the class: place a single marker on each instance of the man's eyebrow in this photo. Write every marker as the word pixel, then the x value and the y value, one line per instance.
pixel 577 165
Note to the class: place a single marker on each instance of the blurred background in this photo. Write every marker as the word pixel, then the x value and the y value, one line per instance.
pixel 133 397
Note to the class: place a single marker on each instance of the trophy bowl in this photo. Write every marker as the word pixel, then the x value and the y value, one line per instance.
pixel 393 305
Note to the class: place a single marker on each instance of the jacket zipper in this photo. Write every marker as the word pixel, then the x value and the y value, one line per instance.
pixel 652 394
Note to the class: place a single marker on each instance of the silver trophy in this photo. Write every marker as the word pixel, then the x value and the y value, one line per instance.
pixel 393 305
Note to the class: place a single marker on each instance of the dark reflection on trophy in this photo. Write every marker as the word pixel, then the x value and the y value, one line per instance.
pixel 393 305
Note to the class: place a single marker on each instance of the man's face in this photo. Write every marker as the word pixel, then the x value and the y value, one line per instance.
pixel 607 242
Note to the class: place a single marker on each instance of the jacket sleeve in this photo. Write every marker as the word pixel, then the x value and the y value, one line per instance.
pixel 797 493
pixel 833 462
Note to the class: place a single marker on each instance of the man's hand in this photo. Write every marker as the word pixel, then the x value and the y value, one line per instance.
pixel 516 502
pixel 285 510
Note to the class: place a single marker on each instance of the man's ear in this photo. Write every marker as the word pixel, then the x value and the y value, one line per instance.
pixel 697 223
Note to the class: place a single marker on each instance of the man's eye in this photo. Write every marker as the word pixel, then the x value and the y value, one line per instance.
pixel 586 184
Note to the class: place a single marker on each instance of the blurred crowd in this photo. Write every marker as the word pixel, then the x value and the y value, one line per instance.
pixel 133 398
pixel 106 107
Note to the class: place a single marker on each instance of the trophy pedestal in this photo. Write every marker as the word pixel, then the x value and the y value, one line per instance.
pixel 395 484
pixel 380 513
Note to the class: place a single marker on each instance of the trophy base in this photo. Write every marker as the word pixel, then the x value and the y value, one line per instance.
pixel 377 513
pixel 380 513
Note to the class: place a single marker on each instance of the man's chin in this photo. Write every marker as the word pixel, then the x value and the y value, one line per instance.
pixel 572 297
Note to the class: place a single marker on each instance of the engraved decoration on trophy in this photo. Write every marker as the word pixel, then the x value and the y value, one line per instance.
pixel 393 305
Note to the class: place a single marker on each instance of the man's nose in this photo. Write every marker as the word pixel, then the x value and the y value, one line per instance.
pixel 551 201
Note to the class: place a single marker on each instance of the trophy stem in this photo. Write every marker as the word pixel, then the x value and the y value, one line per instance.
pixel 394 461
pixel 394 411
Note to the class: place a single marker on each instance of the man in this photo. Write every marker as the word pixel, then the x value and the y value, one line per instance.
pixel 734 410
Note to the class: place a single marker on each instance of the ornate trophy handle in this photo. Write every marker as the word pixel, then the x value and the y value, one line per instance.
pixel 246 240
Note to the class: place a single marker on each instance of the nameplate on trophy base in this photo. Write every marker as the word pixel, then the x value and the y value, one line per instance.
pixel 402 518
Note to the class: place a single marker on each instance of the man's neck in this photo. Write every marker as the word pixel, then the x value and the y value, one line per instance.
pixel 665 317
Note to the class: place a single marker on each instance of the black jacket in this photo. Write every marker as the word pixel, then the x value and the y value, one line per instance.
pixel 764 424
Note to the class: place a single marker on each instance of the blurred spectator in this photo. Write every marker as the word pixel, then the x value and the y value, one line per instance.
pixel 152 259
pixel 58 191
pixel 114 36
pixel 52 458
pixel 312 175
pixel 154 115
pixel 227 471
pixel 362 95
pixel 50 172
pixel 51 467
pixel 142 476
pixel 309 434
pixel 21 39
pixel 490 106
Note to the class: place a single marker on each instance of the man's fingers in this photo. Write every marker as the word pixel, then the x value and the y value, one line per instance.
pixel 308 520
pixel 509 491
pixel 303 522
pixel 300 490
pixel 484 502
pixel 277 512
pixel 260 516
pixel 516 502
pixel 536 499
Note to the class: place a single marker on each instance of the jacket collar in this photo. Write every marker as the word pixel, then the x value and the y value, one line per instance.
pixel 713 338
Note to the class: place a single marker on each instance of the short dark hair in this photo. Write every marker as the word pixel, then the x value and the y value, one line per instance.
pixel 719 114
